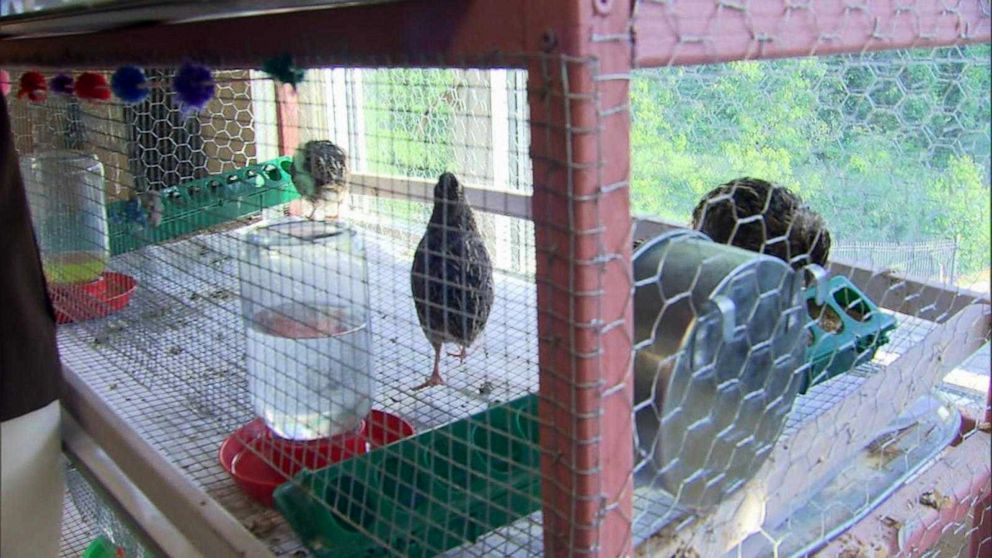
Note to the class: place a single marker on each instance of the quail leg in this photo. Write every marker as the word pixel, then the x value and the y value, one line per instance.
pixel 460 355
pixel 435 379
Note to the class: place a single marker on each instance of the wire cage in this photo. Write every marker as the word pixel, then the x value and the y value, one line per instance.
pixel 90 525
pixel 402 306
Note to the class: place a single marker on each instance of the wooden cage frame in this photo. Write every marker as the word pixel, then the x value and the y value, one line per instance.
pixel 588 510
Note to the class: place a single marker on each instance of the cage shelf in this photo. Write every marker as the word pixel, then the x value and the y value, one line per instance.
pixel 186 424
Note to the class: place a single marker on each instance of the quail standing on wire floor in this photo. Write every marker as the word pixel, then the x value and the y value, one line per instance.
pixel 452 275
pixel 320 175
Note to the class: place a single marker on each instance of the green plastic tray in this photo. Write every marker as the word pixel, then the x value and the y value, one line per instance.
pixel 834 353
pixel 422 495
pixel 210 201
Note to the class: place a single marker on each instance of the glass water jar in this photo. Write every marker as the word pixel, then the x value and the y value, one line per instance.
pixel 305 304
pixel 68 208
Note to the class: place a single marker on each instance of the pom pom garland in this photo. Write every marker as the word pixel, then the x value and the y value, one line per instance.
pixel 194 86
pixel 4 83
pixel 61 84
pixel 130 84
pixel 92 86
pixel 33 87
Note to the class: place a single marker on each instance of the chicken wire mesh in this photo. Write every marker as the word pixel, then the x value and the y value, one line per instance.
pixel 87 516
pixel 242 320
pixel 877 164
pixel 264 339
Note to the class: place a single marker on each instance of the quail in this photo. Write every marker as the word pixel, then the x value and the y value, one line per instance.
pixel 452 275
pixel 757 215
pixel 320 175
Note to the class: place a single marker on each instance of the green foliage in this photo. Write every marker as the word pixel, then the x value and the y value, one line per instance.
pixel 890 146
pixel 961 196
pixel 409 122
pixel 409 116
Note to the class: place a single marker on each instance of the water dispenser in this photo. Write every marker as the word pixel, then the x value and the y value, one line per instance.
pixel 305 305
pixel 66 194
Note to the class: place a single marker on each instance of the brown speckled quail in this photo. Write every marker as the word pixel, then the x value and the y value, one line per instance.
pixel 452 275
pixel 320 175
pixel 787 228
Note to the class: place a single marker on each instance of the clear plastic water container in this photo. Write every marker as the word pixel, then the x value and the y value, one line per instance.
pixel 68 208
pixel 305 303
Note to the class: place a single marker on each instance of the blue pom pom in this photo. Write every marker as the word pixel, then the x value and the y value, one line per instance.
pixel 61 84
pixel 129 84
pixel 194 85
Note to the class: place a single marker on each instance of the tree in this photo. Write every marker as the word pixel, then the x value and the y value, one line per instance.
pixel 890 146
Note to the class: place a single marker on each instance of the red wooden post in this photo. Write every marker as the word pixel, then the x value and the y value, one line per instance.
pixel 580 149
pixel 287 119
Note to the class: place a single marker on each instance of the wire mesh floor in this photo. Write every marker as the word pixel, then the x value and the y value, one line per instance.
pixel 184 396
pixel 77 534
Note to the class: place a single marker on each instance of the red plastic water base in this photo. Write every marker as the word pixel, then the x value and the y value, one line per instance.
pixel 76 302
pixel 259 461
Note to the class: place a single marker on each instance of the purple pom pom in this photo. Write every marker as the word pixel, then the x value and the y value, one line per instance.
pixel 129 84
pixel 61 84
pixel 194 85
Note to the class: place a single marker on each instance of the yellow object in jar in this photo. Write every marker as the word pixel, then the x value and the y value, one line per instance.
pixel 74 267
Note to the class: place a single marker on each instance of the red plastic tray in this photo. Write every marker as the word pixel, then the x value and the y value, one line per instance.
pixel 259 461
pixel 76 302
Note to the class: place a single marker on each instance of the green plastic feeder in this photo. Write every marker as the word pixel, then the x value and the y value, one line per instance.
pixel 210 201
pixel 846 331
pixel 101 547
pixel 422 495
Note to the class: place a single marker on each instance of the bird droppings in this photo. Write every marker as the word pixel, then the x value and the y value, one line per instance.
pixel 891 522
pixel 686 552
pixel 934 499
pixel 222 294
pixel 262 526
pixel 154 313
pixel 882 452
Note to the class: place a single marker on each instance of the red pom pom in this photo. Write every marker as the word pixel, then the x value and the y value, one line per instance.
pixel 33 87
pixel 4 82
pixel 92 86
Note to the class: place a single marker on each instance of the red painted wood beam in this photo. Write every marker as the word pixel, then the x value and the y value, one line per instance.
pixel 287 119
pixel 906 526
pixel 681 33
pixel 581 213
pixel 414 32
